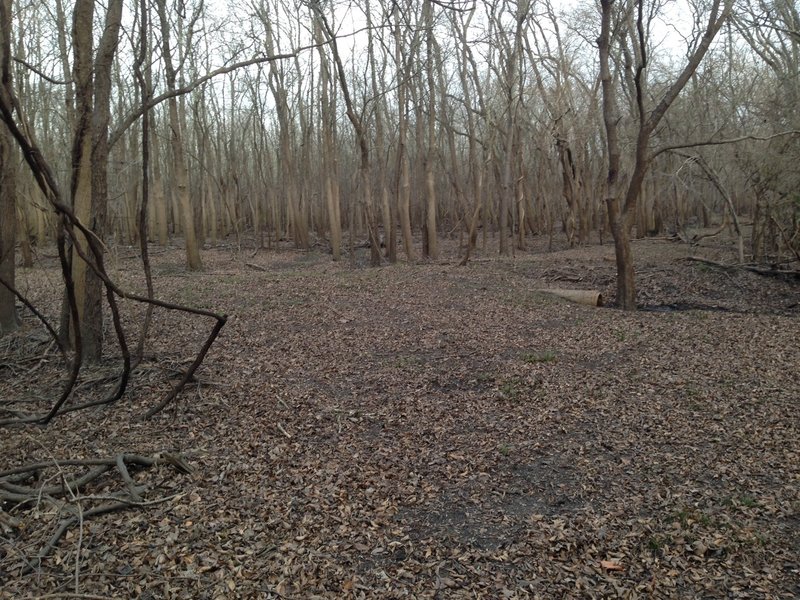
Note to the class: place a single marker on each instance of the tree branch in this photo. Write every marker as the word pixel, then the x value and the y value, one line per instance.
pixel 132 117
pixel 735 140
pixel 38 315
pixel 715 21
pixel 40 73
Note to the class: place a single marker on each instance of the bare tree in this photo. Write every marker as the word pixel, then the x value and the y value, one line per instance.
pixel 329 155
pixel 474 109
pixel 403 187
pixel 358 121
pixel 772 31
pixel 430 246
pixel 380 112
pixel 176 124
pixel 279 85
pixel 623 194
pixel 89 184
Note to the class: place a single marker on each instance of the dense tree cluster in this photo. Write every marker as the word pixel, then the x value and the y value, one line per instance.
pixel 311 120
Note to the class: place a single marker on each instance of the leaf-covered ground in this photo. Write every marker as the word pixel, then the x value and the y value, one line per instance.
pixel 433 431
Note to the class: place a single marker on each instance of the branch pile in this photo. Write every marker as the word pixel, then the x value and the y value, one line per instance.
pixel 58 491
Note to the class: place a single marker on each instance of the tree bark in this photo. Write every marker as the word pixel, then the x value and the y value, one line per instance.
pixel 8 195
pixel 622 197
pixel 180 173
pixel 89 186
pixel 403 187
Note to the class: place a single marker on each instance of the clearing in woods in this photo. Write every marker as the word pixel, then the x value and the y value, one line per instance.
pixel 430 431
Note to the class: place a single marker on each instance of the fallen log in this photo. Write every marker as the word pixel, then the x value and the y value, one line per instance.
pixel 588 297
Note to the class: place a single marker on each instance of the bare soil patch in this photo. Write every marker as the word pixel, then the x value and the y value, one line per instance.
pixel 433 431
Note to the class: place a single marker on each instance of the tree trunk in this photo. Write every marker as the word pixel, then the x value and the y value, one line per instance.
pixel 329 157
pixel 431 237
pixel 403 187
pixel 179 171
pixel 91 78
pixel 389 237
pixel 158 199
pixel 626 275
pixel 358 124
pixel 8 220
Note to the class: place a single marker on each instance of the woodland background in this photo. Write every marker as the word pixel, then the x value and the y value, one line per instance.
pixel 388 120
pixel 373 192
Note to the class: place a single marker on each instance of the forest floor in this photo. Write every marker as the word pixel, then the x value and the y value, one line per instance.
pixel 427 431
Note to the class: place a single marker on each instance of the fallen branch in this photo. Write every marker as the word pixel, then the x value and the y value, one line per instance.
pixel 765 271
pixel 65 595
pixel 65 526
pixel 255 267
pixel 137 459
pixel 20 493
pixel 7 521
pixel 131 497
pixel 126 477
pixel 590 297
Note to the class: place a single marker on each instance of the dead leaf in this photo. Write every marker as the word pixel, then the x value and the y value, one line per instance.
pixel 394 435
pixel 610 565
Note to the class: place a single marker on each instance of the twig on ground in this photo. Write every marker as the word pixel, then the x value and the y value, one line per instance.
pixel 21 493
pixel 256 267
pixel 126 477
pixel 137 459
pixel 65 526
pixel 79 546
pixel 59 595
pixel 131 498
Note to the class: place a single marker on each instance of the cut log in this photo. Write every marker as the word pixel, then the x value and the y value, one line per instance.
pixel 589 297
